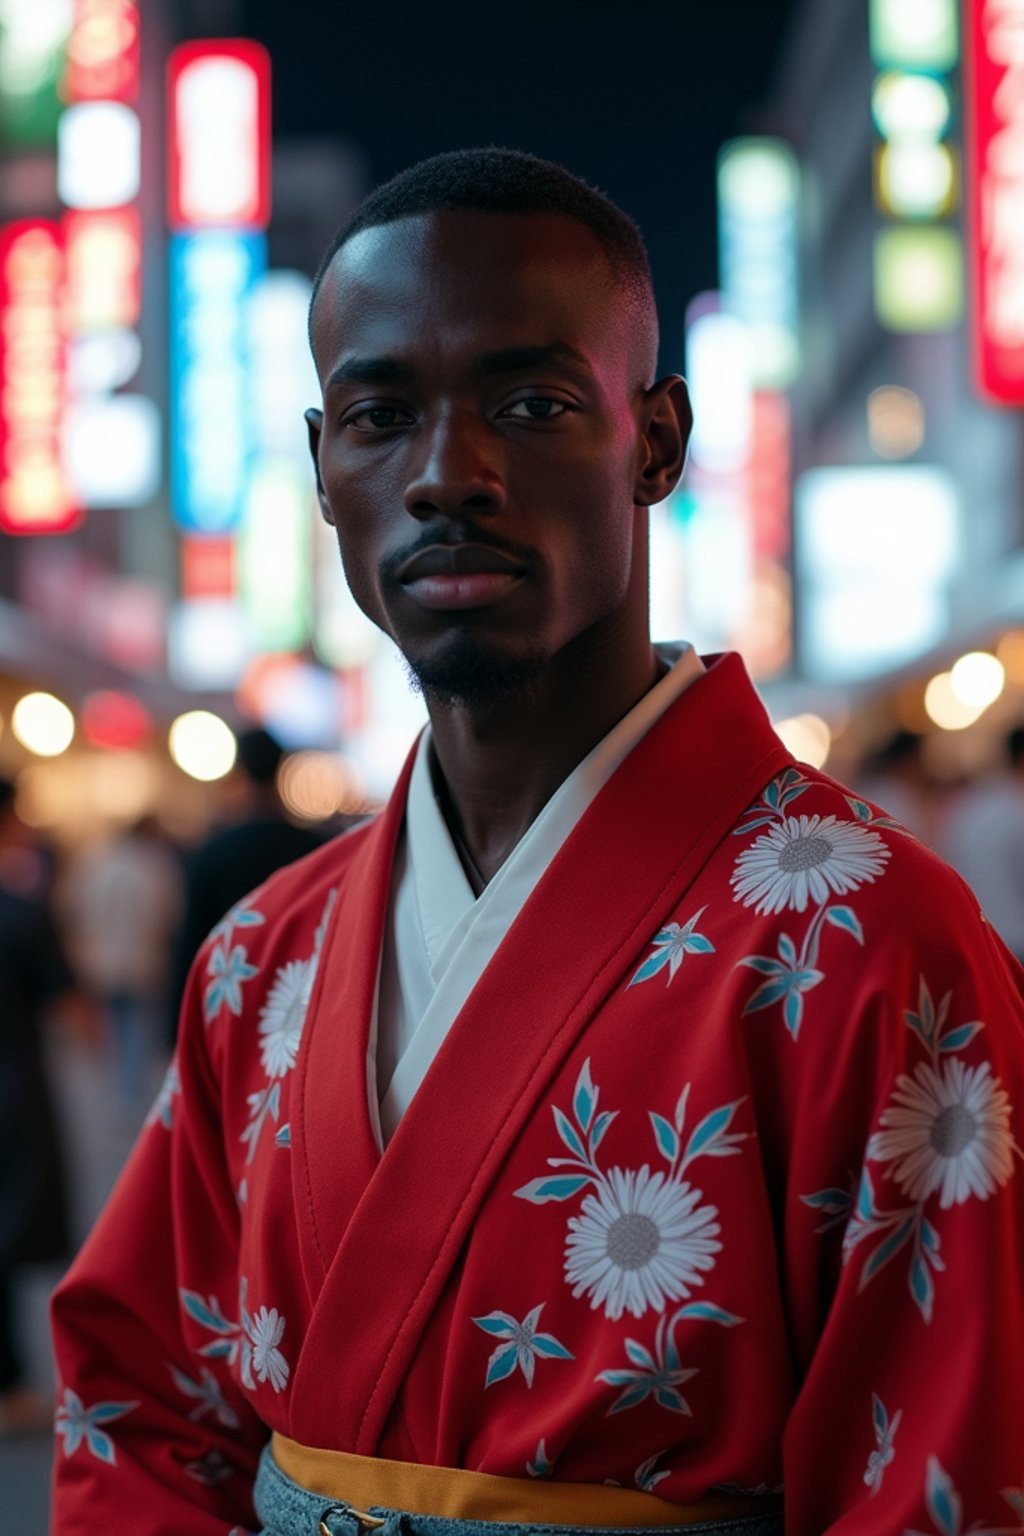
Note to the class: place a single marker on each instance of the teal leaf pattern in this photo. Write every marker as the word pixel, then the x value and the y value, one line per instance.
pixel 885 1433
pixel 540 1466
pixel 658 1372
pixel 944 1135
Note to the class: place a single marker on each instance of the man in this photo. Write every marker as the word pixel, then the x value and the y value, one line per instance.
pixel 622 1125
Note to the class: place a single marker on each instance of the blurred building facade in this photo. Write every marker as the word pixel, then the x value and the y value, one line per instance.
pixel 158 554
pixel 906 448
pixel 851 516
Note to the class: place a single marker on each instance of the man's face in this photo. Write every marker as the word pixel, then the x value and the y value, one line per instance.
pixel 479 444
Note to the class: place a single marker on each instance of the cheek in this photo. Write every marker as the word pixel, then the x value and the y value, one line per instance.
pixel 359 563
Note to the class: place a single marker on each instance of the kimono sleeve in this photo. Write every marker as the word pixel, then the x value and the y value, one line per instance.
pixel 910 1418
pixel 153 1432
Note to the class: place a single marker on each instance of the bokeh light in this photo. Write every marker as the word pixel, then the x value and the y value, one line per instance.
pixel 115 720
pixel 808 737
pixel 43 724
pixel 202 745
pixel 944 708
pixel 1010 652
pixel 316 785
pixel 895 421
pixel 977 679
pixel 908 105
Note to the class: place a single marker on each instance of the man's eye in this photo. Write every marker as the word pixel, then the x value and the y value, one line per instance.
pixel 377 418
pixel 536 408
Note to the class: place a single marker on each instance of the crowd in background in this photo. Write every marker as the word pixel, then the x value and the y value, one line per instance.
pixel 94 956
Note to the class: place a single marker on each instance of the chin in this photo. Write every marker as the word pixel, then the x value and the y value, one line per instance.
pixel 466 674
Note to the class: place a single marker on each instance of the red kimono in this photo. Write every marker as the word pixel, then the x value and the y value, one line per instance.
pixel 713 1185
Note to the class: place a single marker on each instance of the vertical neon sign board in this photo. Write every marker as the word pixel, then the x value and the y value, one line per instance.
pixel 212 275
pixel 35 496
pixel 103 53
pixel 219 135
pixel 994 68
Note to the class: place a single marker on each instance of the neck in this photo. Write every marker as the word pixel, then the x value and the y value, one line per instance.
pixel 496 770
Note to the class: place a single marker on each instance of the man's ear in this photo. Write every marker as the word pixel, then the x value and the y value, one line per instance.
pixel 314 426
pixel 665 425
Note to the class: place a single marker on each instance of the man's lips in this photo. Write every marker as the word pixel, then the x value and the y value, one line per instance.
pixel 458 560
pixel 459 576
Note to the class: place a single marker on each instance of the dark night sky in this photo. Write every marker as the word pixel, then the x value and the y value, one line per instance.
pixel 636 96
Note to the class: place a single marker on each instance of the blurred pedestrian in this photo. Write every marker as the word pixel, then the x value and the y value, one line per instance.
pixel 34 977
pixel 896 778
pixel 239 856
pixel 123 902
pixel 984 839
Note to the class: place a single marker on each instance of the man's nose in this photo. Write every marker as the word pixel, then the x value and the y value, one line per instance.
pixel 459 469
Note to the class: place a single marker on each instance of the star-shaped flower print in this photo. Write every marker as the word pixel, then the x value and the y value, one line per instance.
pixel 229 969
pixel 77 1423
pixel 522 1345
pixel 671 946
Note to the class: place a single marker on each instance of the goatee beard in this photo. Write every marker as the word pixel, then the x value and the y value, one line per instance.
pixel 467 676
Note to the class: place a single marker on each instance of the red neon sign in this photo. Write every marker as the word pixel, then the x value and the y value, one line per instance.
pixel 103 51
pixel 35 496
pixel 219 135
pixel 994 144
pixel 207 567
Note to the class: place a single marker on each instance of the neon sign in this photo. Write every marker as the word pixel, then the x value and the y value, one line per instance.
pixel 35 496
pixel 212 275
pixel 994 68
pixel 758 217
pixel 103 52
pixel 219 135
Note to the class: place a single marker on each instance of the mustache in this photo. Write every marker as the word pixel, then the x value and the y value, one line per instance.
pixel 450 537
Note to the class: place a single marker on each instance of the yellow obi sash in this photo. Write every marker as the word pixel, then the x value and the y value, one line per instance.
pixel 367 1481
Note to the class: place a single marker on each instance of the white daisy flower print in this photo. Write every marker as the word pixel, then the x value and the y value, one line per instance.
pixel 640 1241
pixel 947 1130
pixel 266 1330
pixel 283 1015
pixel 806 859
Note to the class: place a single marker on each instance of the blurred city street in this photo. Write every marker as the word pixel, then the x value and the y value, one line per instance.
pixel 96 1137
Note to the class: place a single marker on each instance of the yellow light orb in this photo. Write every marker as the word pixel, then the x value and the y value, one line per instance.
pixel 315 785
pixel 43 724
pixel 977 679
pixel 202 745
pixel 808 737
pixel 944 708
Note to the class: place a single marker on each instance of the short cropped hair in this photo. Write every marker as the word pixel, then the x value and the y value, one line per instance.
pixel 509 181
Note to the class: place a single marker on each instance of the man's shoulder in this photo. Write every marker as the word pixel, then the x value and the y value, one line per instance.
pixel 808 838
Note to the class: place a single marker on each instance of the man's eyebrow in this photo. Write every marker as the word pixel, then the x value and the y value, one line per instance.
pixel 369 370
pixel 516 359
pixel 390 370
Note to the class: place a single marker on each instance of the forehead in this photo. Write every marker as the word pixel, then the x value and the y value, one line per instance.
pixel 468 281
